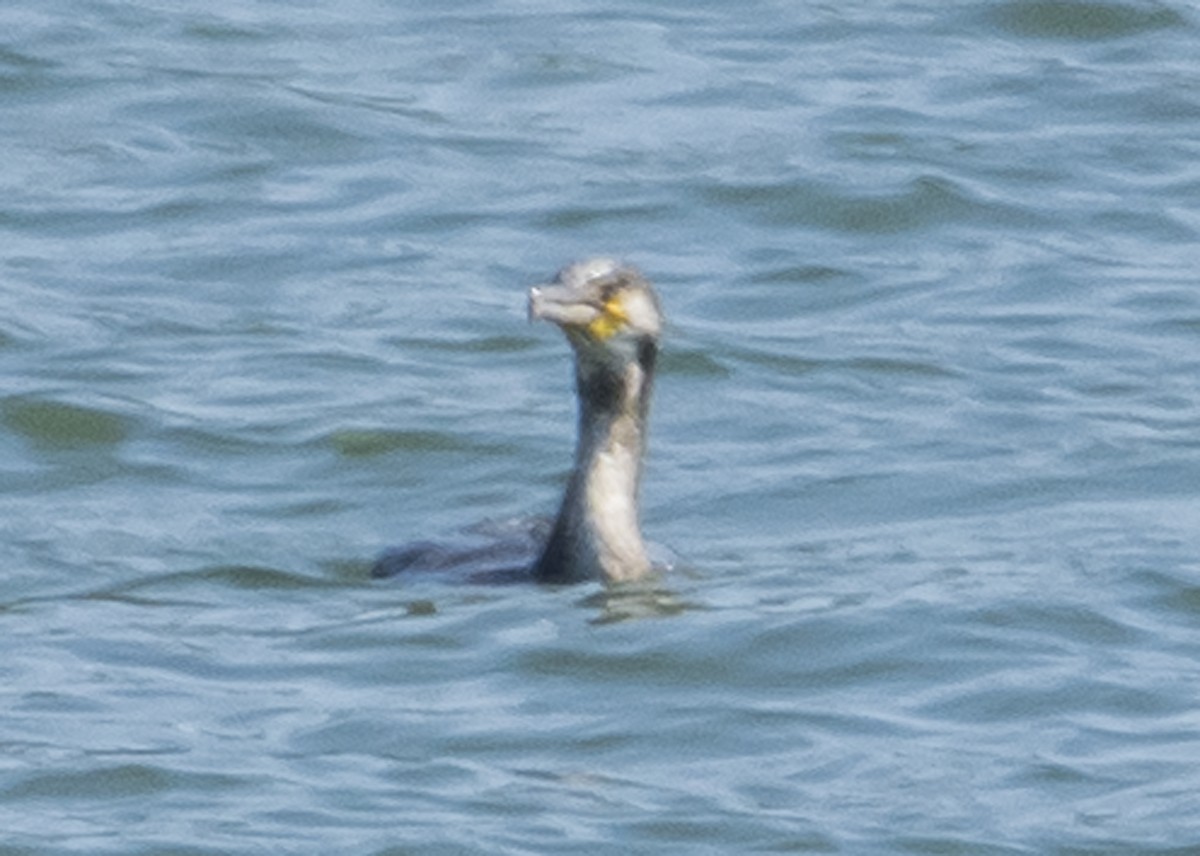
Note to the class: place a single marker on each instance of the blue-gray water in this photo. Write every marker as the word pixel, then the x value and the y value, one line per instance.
pixel 926 433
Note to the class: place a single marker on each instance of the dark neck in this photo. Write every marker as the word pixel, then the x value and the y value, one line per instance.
pixel 597 534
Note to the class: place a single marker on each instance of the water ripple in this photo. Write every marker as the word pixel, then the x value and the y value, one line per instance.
pixel 924 431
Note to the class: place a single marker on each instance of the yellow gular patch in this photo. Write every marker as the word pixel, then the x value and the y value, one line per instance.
pixel 609 321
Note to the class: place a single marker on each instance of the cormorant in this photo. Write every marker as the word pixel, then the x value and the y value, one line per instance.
pixel 612 319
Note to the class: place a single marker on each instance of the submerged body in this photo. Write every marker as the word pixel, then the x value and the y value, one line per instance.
pixel 612 320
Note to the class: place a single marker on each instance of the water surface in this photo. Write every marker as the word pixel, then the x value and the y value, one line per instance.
pixel 925 435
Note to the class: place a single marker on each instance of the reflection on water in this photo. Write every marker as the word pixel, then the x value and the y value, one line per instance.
pixel 635 600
